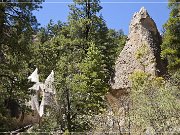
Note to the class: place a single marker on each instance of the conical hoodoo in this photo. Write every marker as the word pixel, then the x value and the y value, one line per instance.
pixel 141 52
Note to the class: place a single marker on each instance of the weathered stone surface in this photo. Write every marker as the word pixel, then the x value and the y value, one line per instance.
pixel 141 52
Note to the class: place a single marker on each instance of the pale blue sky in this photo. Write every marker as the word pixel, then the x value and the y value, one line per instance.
pixel 116 13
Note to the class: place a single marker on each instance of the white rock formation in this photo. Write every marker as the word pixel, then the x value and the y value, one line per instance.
pixel 46 90
pixel 34 77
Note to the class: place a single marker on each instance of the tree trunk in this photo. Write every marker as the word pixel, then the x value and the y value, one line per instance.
pixel 2 21
pixel 88 16
pixel 68 111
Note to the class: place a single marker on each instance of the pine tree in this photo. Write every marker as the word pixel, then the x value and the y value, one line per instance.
pixel 91 81
pixel 171 39
pixel 46 48
pixel 17 26
pixel 82 53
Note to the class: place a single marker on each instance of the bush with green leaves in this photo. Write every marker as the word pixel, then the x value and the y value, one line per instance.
pixel 154 103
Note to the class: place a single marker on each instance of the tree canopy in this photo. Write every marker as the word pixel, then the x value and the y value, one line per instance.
pixel 171 40
pixel 82 53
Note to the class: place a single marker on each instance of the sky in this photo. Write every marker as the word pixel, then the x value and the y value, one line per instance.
pixel 116 13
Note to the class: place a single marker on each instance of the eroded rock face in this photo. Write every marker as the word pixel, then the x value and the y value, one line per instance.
pixel 141 52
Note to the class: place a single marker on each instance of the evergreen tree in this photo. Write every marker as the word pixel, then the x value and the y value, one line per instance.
pixel 87 25
pixel 171 39
pixel 90 75
pixel 46 48
pixel 82 53
pixel 92 80
pixel 17 26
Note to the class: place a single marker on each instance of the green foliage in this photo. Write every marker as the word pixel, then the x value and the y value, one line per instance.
pixel 91 81
pixel 153 103
pixel 17 25
pixel 118 40
pixel 171 38
pixel 82 53
pixel 141 54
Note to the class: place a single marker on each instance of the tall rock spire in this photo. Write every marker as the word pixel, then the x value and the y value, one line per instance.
pixel 141 52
